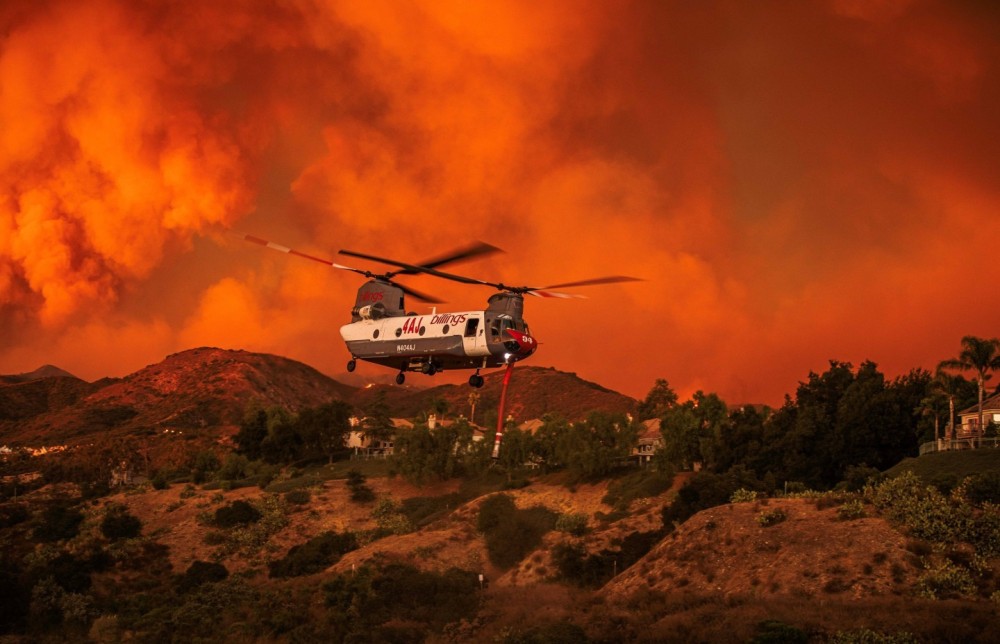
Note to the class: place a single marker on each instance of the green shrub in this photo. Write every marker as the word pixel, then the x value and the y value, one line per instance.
pixel 868 636
pixel 421 510
pixel 576 566
pixel 58 522
pixel 298 497
pixel 389 518
pixel 553 633
pixel 945 580
pixel 315 555
pixel 234 467
pixel 983 488
pixel 926 512
pixel 361 603
pixel 705 490
pixel 494 510
pixel 643 484
pixel 360 492
pixel 574 524
pixel 201 572
pixel 511 533
pixel 119 524
pixel 159 481
pixel 851 510
pixel 248 538
pixel 12 514
pixel 236 513
pixel 856 477
pixel 774 632
pixel 744 495
pixel 768 518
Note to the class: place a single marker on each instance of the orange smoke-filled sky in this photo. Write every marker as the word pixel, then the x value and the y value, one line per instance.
pixel 796 181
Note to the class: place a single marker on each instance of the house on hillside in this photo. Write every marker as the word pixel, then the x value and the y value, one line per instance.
pixel 969 427
pixel 366 447
pixel 649 441
pixel 531 426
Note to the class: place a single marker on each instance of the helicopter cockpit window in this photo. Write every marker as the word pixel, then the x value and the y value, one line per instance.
pixel 470 327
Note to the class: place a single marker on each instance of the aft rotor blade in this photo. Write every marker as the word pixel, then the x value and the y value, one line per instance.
pixel 611 279
pixel 475 250
pixel 537 292
pixel 417 295
pixel 419 269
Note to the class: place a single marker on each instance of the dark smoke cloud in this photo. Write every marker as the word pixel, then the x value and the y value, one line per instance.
pixel 796 181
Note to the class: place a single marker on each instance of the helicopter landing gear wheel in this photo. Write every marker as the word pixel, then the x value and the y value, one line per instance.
pixel 400 378
pixel 429 369
pixel 351 365
pixel 475 380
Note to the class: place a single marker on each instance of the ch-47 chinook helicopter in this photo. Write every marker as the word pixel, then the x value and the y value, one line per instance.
pixel 382 332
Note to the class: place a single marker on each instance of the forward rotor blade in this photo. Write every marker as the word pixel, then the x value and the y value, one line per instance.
pixel 417 295
pixel 423 297
pixel 292 251
pixel 419 269
pixel 475 250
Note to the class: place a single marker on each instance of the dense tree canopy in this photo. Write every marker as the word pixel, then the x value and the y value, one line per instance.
pixel 840 418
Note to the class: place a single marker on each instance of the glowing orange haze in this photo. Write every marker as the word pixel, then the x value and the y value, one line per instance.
pixel 796 182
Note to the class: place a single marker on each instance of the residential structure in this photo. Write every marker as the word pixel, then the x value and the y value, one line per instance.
pixel 969 426
pixel 649 441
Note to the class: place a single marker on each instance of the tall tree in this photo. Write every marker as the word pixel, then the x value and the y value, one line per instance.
pixel 658 401
pixel 594 447
pixel 324 428
pixel 979 355
pixel 377 423
pixel 695 432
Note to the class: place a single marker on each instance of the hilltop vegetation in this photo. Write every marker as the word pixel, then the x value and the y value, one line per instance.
pixel 795 527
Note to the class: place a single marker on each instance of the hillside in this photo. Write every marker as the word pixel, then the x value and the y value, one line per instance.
pixel 199 388
pixel 947 469
pixel 26 399
pixel 718 577
pixel 45 371
pixel 532 393
pixel 207 387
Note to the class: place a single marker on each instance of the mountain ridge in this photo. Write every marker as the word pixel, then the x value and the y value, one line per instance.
pixel 208 387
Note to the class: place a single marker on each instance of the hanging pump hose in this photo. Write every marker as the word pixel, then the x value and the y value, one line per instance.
pixel 503 401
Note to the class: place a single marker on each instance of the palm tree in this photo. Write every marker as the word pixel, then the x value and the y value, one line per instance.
pixel 473 399
pixel 947 386
pixel 981 356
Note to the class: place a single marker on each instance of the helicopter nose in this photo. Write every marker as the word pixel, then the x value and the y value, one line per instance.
pixel 525 345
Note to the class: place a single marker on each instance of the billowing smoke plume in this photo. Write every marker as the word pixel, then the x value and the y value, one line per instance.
pixel 796 183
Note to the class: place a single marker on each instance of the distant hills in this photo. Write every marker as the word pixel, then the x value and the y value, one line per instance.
pixel 45 371
pixel 207 387
pixel 533 392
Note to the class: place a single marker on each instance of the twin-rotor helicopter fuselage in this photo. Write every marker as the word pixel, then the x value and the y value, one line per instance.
pixel 381 331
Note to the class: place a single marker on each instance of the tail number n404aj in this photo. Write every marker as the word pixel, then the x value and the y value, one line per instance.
pixel 401 348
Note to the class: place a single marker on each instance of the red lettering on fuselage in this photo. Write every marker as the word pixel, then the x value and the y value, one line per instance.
pixel 448 318
pixel 372 296
pixel 412 325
